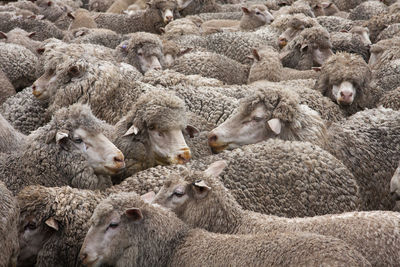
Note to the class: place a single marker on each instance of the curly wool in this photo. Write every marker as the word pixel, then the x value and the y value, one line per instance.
pixel 367 143
pixel 393 31
pixel 9 214
pixel 380 22
pixel 367 10
pixel 11 140
pixel 212 65
pixel 6 88
pixel 19 64
pixel 104 37
pixel 350 43
pixel 386 72
pixel 42 161
pixel 391 99
pixel 23 38
pixel 352 68
pixel 71 208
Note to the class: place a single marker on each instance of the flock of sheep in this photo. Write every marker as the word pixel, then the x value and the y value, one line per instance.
pixel 199 133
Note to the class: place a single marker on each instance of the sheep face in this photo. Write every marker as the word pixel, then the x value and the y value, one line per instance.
pixel 363 32
pixel 166 10
pixel 330 8
pixel 103 156
pixel 344 93
pixel 33 234
pixel 258 14
pixel 242 129
pixel 40 86
pixel 288 35
pixel 149 59
pixel 395 185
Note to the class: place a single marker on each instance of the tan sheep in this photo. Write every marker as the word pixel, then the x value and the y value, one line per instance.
pixel 81 18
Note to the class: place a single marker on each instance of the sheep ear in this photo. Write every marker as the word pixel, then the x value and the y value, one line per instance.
pixel 216 168
pixel 275 125
pixel 49 3
pixel 326 4
pixel 245 10
pixel 134 214
pixel 132 130
pixel 31 34
pixel 61 136
pixel 52 223
pixel 3 35
pixel 304 48
pixel 70 15
pixel 184 51
pixel 316 69
pixel 40 50
pixel 191 131
pixel 162 30
pixel 148 197
pixel 201 189
pixel 344 30
pixel 256 55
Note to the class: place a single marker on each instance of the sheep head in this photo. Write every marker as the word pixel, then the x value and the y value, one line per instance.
pixel 261 115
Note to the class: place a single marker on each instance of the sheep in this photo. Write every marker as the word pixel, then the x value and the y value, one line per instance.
pixel 27 5
pixel 99 5
pixel 53 10
pixel 345 78
pixel 119 5
pixel 104 37
pixel 386 71
pixel 151 133
pixel 393 31
pixel 70 149
pixel 268 66
pixel 182 26
pixel 53 224
pixel 192 7
pixel 356 41
pixel 11 139
pixel 379 48
pixel 6 87
pixel 223 15
pixel 380 22
pixel 212 65
pixel 152 233
pixel 277 108
pixel 149 20
pixel 295 8
pixel 9 212
pixel 260 174
pixel 81 18
pixel 253 17
pixel 21 37
pixel 391 99
pixel 109 88
pixel 346 5
pixel 335 24
pixel 44 29
pixel 143 51
pixel 202 201
pixel 19 65
pixel 311 48
pixel 367 10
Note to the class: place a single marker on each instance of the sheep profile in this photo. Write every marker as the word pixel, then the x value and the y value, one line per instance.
pixel 21 37
pixel 81 18
pixel 253 17
pixel 70 150
pixel 126 229
pixel 202 201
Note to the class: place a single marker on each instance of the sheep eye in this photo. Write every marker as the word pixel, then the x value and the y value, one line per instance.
pixel 113 225
pixel 178 194
pixel 151 127
pixel 258 13
pixel 30 226
pixel 257 119
pixel 77 140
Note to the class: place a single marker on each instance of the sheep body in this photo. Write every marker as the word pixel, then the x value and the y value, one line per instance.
pixel 391 99
pixel 82 18
pixel 104 37
pixel 21 37
pixel 199 247
pixel 367 10
pixel 9 212
pixel 11 140
pixel 6 88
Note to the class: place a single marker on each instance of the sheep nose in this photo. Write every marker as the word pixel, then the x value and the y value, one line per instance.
pixel 282 42
pixel 34 87
pixel 368 46
pixel 157 68
pixel 346 96
pixel 169 18
pixel 272 20
pixel 212 138
pixel 82 257
pixel 118 159
pixel 184 157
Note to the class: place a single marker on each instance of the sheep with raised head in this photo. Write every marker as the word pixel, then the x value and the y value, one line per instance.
pixel 21 37
pixel 81 18
pixel 157 15
pixel 9 212
pixel 311 48
pixel 70 150
pixel 345 78
pixel 253 17
pixel 380 22
pixel 202 201
pixel 126 229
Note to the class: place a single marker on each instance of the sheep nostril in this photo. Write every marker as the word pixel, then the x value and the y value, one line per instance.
pixel 33 87
pixel 118 159
pixel 83 256
pixel 212 138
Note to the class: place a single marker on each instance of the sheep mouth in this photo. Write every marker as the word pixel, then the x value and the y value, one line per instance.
pixel 218 148
pixel 114 170
pixel 36 94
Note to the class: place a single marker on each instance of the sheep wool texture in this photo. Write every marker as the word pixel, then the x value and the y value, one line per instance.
pixel 9 212
pixel 386 73
pixel 212 65
pixel 391 99
pixel 104 37
pixel 23 38
pixel 10 139
pixel 42 161
pixel 19 65
pixel 6 87
pixel 71 208
pixel 367 143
